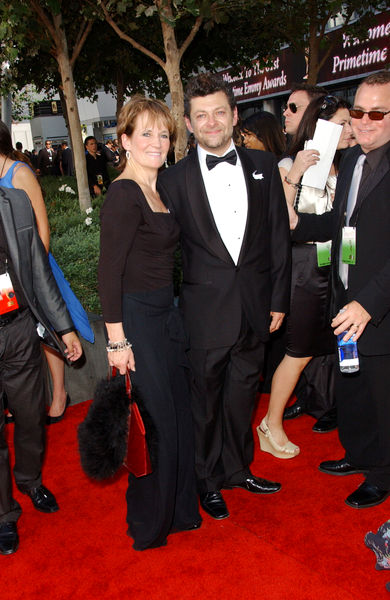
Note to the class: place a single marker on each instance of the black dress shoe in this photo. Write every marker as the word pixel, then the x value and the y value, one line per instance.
pixel 339 467
pixel 42 499
pixel 51 420
pixel 327 422
pixel 188 527
pixel 294 411
pixel 256 485
pixel 214 505
pixel 367 495
pixel 9 539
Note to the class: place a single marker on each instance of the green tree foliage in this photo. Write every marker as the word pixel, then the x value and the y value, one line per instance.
pixel 32 26
pixel 165 30
pixel 303 24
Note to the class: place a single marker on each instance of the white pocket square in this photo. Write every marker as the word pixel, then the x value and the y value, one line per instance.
pixel 257 175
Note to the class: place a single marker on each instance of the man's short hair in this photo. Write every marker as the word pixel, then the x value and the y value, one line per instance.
pixel 204 85
pixel 311 90
pixel 19 146
pixel 64 143
pixel 380 78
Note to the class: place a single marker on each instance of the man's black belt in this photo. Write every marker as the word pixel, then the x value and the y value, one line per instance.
pixel 8 318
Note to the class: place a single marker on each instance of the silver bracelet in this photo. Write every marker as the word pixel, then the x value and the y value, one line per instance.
pixel 118 346
pixel 297 186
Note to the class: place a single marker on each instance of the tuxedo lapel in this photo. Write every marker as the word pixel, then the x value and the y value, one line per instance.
pixel 371 182
pixel 201 210
pixel 253 193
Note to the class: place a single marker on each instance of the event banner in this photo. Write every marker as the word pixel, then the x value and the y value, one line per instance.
pixel 349 58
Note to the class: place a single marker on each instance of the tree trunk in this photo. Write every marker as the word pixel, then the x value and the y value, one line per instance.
pixel 172 70
pixel 73 114
pixel 120 92
pixel 65 113
pixel 177 97
pixel 314 54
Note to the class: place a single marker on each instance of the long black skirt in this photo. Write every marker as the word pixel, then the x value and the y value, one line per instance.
pixel 167 498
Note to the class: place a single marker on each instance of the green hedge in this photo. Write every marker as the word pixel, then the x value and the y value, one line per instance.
pixel 73 243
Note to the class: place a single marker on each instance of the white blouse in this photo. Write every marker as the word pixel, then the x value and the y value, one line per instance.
pixel 311 200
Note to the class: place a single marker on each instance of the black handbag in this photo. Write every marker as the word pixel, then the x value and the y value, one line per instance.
pixel 117 430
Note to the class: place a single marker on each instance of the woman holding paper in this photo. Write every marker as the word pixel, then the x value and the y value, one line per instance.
pixel 308 333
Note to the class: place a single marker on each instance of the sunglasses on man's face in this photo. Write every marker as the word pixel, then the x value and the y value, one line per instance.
pixel 292 106
pixel 374 115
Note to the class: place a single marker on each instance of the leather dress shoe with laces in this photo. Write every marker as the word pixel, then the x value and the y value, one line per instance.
pixel 214 505
pixel 367 495
pixel 256 485
pixel 339 467
pixel 42 499
pixel 327 422
pixel 9 539
pixel 295 410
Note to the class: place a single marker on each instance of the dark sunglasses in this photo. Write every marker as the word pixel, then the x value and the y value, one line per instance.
pixel 292 106
pixel 374 115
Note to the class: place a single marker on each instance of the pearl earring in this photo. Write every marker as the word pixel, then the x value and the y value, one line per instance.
pixel 127 154
pixel 166 164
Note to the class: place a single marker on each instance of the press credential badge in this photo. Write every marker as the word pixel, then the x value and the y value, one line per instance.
pixel 348 246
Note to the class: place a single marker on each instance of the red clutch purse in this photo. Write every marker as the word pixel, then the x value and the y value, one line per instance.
pixel 137 458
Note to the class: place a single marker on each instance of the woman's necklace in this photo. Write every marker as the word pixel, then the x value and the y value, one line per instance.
pixel 2 168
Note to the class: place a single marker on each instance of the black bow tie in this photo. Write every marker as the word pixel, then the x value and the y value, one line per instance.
pixel 212 161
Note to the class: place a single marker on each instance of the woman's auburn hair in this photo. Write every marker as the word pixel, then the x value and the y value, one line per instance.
pixel 156 111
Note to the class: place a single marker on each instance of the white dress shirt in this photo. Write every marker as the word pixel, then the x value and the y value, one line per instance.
pixel 228 198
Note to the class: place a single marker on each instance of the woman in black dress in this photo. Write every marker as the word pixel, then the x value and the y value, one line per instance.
pixel 138 239
pixel 309 333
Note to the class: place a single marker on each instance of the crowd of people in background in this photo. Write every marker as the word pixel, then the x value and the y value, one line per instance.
pixel 57 159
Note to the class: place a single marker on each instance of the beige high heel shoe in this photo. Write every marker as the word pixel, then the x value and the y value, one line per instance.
pixel 268 444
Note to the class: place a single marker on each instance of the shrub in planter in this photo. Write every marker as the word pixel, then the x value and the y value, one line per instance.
pixel 77 253
pixel 74 240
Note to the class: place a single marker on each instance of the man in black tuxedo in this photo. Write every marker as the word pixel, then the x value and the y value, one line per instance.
pixel 363 291
pixel 46 160
pixel 231 209
pixel 66 159
pixel 109 153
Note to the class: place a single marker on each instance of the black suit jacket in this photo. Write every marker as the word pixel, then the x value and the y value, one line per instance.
pixel 31 265
pixel 67 161
pixel 45 165
pixel 215 291
pixel 369 279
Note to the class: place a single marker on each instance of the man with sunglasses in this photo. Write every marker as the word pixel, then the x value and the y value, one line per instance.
pixel 301 96
pixel 360 298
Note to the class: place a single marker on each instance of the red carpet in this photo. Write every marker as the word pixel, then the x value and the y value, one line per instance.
pixel 302 543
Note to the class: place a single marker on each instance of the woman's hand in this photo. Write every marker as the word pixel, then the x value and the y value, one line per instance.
pixel 97 190
pixel 122 360
pixel 303 160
